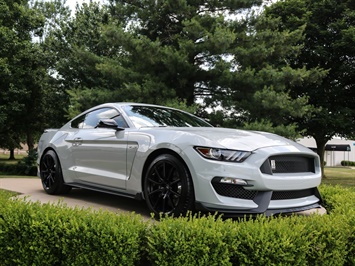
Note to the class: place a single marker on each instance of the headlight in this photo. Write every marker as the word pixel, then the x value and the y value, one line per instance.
pixel 223 154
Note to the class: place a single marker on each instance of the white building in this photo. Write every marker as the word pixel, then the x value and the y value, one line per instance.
pixel 337 150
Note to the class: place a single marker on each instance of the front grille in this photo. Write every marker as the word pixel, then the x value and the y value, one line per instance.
pixel 233 191
pixel 292 194
pixel 288 164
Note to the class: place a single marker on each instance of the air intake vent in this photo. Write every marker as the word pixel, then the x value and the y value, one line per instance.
pixel 292 194
pixel 233 191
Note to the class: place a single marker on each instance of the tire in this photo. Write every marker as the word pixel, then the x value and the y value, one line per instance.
pixel 168 188
pixel 51 174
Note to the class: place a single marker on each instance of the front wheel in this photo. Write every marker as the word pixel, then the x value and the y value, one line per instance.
pixel 168 188
pixel 51 174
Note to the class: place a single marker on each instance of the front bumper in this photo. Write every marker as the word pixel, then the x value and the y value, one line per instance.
pixel 265 193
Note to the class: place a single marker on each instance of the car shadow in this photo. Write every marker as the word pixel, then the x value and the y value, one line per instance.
pixel 103 201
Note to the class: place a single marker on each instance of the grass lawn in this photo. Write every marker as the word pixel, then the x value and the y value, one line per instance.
pixel 4 158
pixel 343 176
pixel 16 176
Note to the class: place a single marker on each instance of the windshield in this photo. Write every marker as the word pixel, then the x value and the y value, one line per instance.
pixel 151 116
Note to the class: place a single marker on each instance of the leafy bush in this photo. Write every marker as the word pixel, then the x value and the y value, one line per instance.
pixel 30 163
pixel 26 166
pixel 53 234
pixel 190 240
pixel 34 234
pixel 347 163
pixel 17 169
pixel 340 204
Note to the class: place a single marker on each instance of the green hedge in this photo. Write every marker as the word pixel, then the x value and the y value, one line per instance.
pixel 347 163
pixel 26 166
pixel 18 169
pixel 35 234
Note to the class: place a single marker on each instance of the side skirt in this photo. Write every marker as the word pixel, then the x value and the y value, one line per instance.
pixel 137 196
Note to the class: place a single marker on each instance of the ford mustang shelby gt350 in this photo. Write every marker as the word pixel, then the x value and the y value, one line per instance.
pixel 177 162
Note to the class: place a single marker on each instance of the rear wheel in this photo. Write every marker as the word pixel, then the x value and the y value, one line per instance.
pixel 51 174
pixel 168 188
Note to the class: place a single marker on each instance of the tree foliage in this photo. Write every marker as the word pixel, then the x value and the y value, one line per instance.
pixel 21 74
pixel 285 68
pixel 186 51
pixel 255 94
pixel 329 35
pixel 151 51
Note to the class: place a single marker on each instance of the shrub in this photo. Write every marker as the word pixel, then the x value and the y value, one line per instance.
pixel 270 241
pixel 17 169
pixel 26 166
pixel 30 163
pixel 53 234
pixel 347 163
pixel 190 240
pixel 34 234
pixel 340 204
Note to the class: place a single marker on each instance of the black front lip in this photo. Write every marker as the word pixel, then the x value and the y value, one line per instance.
pixel 262 199
pixel 242 213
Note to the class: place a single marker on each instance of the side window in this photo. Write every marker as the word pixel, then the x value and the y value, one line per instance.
pixel 120 121
pixel 93 118
pixel 78 122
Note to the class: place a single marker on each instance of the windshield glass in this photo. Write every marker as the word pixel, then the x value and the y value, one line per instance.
pixel 150 116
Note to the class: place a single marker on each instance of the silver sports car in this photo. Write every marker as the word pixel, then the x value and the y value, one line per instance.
pixel 178 162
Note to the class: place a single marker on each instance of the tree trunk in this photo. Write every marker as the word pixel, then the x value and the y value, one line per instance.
pixel 320 151
pixel 30 142
pixel 12 154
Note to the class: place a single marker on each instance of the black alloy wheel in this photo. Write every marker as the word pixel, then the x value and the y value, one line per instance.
pixel 168 188
pixel 51 174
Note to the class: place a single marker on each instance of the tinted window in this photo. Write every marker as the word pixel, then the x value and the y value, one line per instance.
pixel 78 122
pixel 148 116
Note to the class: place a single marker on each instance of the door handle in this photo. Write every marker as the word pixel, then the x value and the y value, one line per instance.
pixel 78 141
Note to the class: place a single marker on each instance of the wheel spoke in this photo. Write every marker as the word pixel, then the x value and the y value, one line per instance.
pixel 159 190
pixel 175 193
pixel 157 174
pixel 157 201
pixel 164 207
pixel 175 182
pixel 48 173
pixel 51 174
pixel 151 180
pixel 164 186
pixel 171 202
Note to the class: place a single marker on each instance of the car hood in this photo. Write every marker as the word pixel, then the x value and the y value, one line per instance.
pixel 234 138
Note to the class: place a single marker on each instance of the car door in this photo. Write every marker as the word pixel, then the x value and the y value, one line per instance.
pixel 99 154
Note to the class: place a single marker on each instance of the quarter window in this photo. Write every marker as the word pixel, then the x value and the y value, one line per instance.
pixel 78 122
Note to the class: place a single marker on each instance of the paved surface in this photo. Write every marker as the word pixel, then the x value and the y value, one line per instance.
pixel 31 189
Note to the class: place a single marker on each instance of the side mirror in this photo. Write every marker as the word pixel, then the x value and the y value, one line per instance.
pixel 108 123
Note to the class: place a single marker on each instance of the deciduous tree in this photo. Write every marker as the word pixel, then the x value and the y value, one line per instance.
pixel 328 43
pixel 21 73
